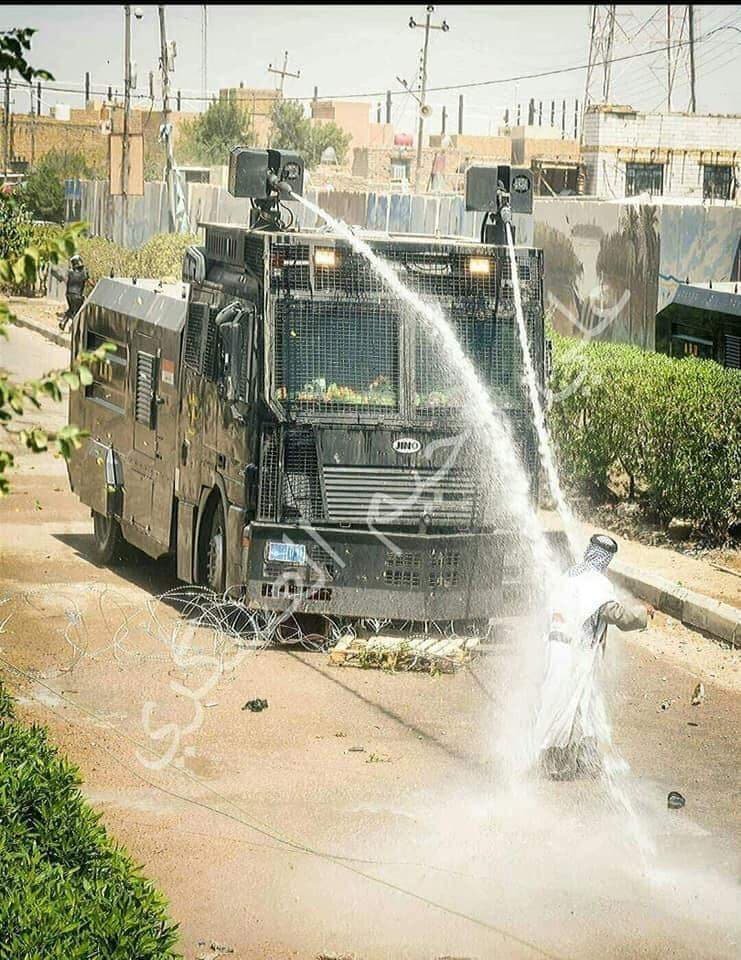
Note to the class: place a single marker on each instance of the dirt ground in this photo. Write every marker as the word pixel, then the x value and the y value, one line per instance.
pixel 363 813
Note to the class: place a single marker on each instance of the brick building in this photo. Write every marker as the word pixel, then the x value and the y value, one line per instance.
pixel 31 137
pixel 627 153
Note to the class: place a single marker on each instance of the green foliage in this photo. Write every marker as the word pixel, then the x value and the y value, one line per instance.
pixel 209 136
pixel 16 229
pixel 69 893
pixel 43 190
pixel 160 257
pixel 14 45
pixel 672 427
pixel 292 130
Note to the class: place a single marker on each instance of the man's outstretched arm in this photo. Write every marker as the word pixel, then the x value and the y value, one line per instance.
pixel 625 616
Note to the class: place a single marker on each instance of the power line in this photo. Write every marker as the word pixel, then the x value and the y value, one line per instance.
pixel 454 86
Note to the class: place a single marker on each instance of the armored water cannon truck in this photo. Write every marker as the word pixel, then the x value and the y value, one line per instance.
pixel 282 425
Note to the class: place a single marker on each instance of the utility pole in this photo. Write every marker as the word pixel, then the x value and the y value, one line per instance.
pixel 607 63
pixel 166 128
pixel 691 20
pixel 284 72
pixel 6 126
pixel 204 53
pixel 423 108
pixel 127 108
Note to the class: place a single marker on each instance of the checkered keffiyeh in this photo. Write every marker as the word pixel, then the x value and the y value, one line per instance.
pixel 597 556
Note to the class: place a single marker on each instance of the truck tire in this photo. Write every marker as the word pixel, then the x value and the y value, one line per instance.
pixel 108 540
pixel 214 552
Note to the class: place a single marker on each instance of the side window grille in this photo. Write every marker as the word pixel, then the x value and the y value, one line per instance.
pixel 146 365
pixel 208 368
pixel 197 312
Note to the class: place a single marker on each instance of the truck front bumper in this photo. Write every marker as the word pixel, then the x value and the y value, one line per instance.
pixel 389 576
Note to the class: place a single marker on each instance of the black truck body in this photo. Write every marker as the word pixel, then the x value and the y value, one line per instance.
pixel 285 428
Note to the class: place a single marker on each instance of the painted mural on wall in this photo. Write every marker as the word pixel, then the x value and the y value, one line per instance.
pixel 601 262
pixel 610 267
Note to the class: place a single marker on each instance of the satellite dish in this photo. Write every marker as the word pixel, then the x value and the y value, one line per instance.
pixel 329 155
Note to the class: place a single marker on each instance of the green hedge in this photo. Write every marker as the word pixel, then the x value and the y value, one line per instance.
pixel 160 257
pixel 671 428
pixel 68 892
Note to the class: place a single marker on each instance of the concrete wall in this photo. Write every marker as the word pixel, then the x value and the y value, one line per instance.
pixel 683 143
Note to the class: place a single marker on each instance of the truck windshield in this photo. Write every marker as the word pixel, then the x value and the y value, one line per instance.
pixel 337 355
pixel 491 345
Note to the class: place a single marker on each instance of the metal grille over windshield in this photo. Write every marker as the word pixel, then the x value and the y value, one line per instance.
pixel 337 355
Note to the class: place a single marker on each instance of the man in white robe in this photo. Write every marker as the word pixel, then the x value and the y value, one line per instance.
pixel 572 719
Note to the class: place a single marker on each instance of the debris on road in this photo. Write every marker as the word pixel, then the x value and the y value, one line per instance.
pixel 256 705
pixel 665 704
pixel 698 695
pixel 675 800
pixel 356 749
pixel 214 951
pixel 426 654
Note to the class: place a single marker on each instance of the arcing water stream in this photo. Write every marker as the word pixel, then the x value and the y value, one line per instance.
pixel 545 447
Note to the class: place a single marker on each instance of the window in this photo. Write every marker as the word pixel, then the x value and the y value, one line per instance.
pixel 644 178
pixel 400 169
pixel 109 376
pixel 717 181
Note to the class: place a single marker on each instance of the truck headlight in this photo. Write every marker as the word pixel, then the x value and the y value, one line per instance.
pixel 325 257
pixel 479 266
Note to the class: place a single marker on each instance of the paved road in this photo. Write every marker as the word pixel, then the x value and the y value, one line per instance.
pixel 273 833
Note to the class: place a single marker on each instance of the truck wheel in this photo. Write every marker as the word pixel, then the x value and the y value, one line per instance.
pixel 215 552
pixel 108 539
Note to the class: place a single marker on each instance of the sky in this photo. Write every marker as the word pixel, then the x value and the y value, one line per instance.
pixel 363 48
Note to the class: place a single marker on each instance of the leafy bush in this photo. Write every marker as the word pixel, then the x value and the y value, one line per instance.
pixel 160 257
pixel 69 893
pixel 43 189
pixel 15 226
pixel 671 427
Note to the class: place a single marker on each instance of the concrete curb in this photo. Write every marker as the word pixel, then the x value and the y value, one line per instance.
pixel 56 336
pixel 696 610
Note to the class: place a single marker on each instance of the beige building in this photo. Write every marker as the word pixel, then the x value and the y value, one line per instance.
pixel 354 117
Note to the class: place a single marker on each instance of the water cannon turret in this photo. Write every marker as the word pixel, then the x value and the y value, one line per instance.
pixel 499 192
pixel 265 177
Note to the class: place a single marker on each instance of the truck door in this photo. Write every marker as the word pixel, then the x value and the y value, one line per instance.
pixel 165 426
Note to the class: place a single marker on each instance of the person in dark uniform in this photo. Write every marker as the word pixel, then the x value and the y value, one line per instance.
pixel 77 277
